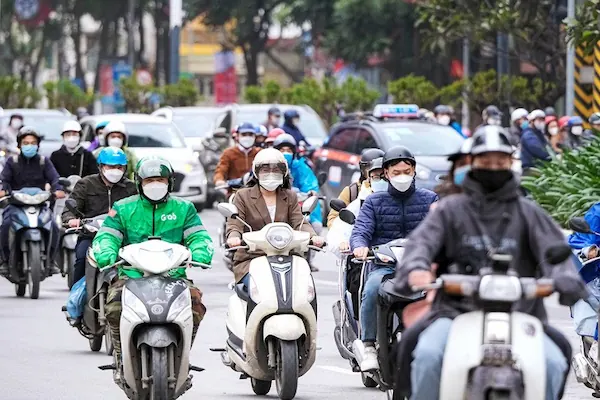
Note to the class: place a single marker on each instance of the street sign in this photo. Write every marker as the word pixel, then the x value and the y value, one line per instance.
pixel 143 77
pixel 120 70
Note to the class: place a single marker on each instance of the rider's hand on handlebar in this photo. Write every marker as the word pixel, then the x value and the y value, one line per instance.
pixel 59 194
pixel 420 277
pixel 592 252
pixel 344 246
pixel 2 193
pixel 234 242
pixel 74 223
pixel 361 252
pixel 317 241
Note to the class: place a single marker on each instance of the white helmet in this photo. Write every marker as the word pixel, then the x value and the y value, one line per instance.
pixel 535 114
pixel 518 114
pixel 270 156
pixel 71 126
pixel 112 127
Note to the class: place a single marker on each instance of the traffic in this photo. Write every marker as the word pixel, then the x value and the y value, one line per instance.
pixel 242 251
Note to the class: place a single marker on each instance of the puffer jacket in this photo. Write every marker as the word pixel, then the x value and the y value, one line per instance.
pixel 534 148
pixel 390 215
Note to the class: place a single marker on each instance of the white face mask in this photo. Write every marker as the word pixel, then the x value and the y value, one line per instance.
pixel 444 120
pixel 155 190
pixel 577 130
pixel 493 121
pixel 553 131
pixel 247 141
pixel 71 142
pixel 402 182
pixel 115 142
pixel 539 125
pixel 113 175
pixel 270 181
pixel 16 123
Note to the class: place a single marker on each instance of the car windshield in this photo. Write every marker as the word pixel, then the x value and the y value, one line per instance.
pixel 49 126
pixel 149 134
pixel 423 139
pixel 194 125
pixel 310 125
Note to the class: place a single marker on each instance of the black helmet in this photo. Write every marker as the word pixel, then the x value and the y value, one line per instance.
pixel 443 109
pixel 491 112
pixel 28 131
pixel 465 149
pixel 375 164
pixel 397 154
pixel 490 138
pixel 550 112
pixel 154 167
pixel 285 140
pixel 274 111
pixel 368 155
pixel 594 118
pixel 291 114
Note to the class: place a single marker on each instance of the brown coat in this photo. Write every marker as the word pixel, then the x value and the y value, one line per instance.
pixel 253 209
pixel 234 163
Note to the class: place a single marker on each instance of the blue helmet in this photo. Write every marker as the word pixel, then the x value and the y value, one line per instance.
pixel 112 156
pixel 291 114
pixel 575 121
pixel 246 127
pixel 101 125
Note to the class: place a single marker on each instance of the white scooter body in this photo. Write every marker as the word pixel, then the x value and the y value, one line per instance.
pixel 286 308
pixel 470 333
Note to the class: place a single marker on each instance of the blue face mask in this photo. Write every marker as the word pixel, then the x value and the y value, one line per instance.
pixel 460 173
pixel 379 186
pixel 525 124
pixel 29 150
pixel 289 158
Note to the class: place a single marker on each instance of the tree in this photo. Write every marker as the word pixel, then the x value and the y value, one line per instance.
pixel 584 30
pixel 65 94
pixel 413 89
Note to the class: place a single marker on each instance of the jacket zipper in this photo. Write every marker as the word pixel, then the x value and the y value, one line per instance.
pixel 153 211
pixel 109 199
pixel 403 220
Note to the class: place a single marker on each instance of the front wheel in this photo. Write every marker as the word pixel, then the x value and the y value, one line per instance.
pixel 286 372
pixel 34 263
pixel 69 266
pixel 160 374
pixel 261 388
pixel 20 289
pixel 499 395
pixel 96 343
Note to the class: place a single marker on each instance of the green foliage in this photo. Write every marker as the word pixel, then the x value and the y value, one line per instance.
pixel 414 89
pixel 273 92
pixel 584 29
pixel 569 186
pixel 66 94
pixel 254 95
pixel 181 94
pixel 136 96
pixel 355 95
pixel 17 93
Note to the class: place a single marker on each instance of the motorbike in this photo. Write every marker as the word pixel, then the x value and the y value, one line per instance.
pixel 156 322
pixel 390 305
pixel 272 323
pixel 494 352
pixel 68 238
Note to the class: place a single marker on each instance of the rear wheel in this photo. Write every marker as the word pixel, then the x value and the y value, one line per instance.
pixel 20 289
pixel 367 381
pixel 286 372
pixel 160 375
pixel 259 387
pixel 69 266
pixel 34 261
pixel 96 343
pixel 497 395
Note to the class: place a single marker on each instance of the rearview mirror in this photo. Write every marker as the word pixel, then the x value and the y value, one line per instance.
pixel 337 205
pixel 322 178
pixel 579 224
pixel 71 205
pixel 64 182
pixel 347 216
pixel 73 179
pixel 558 253
pixel 227 210
pixel 309 205
pixel 220 133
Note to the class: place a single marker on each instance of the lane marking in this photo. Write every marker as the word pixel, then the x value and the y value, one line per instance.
pixel 337 369
pixel 326 283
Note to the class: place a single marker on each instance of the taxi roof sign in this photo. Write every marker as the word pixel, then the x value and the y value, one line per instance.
pixel 396 111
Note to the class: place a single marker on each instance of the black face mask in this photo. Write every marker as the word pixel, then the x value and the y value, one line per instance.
pixel 490 179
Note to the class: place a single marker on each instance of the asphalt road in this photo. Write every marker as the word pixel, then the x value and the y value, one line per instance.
pixel 43 358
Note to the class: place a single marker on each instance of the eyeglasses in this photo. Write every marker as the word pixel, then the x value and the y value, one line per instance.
pixel 377 178
pixel 268 168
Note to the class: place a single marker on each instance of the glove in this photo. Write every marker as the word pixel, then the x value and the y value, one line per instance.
pixel 571 289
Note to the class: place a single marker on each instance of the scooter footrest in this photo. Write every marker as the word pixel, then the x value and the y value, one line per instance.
pixel 108 367
pixel 219 349
pixel 244 376
pixel 64 308
pixel 197 369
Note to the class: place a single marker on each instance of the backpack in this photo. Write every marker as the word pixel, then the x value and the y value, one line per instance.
pixel 353 191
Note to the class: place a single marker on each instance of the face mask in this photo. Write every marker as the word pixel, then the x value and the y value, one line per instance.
pixel 444 120
pixel 492 180
pixel 114 175
pixel 553 131
pixel 577 130
pixel 493 121
pixel 524 125
pixel 379 186
pixel 289 158
pixel 16 123
pixel 460 173
pixel 115 142
pixel 71 142
pixel 539 125
pixel 247 141
pixel 275 121
pixel 402 182
pixel 270 181
pixel 155 191
pixel 29 150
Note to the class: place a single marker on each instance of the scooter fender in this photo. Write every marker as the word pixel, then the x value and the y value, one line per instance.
pixel 70 241
pixel 30 235
pixel 156 336
pixel 284 327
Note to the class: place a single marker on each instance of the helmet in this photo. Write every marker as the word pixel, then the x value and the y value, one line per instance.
pixel 115 126
pixel 491 112
pixel 274 111
pixel 368 155
pixel 490 138
pixel 594 118
pixel 421 114
pixel 291 114
pixel 518 114
pixel 575 121
pixel 563 121
pixel 27 131
pixel 246 127
pixel 270 156
pixel 465 149
pixel 112 156
pixel 261 130
pixel 396 154
pixel 550 111
pixel 71 126
pixel 101 125
pixel 535 114
pixel 550 118
pixel 375 164
pixel 276 132
pixel 285 140
pixel 154 167
pixel 442 109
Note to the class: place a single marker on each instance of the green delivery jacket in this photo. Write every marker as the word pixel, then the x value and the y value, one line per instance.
pixel 134 219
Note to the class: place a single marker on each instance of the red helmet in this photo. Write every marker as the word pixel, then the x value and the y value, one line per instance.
pixel 563 121
pixel 275 132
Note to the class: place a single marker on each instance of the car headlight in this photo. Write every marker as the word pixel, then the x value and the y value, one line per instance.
pixel 182 302
pixel 311 290
pixel 192 166
pixel 131 301
pixel 279 237
pixel 500 288
pixel 423 173
pixel 253 291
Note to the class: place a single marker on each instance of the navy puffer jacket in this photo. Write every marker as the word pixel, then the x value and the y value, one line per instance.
pixel 390 215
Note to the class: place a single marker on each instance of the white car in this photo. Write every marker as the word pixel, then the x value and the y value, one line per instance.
pixel 154 136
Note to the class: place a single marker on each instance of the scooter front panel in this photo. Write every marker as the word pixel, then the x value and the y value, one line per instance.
pixel 527 334
pixel 157 293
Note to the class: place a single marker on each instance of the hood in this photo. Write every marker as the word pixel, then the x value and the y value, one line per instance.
pixel 182 159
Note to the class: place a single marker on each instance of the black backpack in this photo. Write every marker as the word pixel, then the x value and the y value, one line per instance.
pixel 354 189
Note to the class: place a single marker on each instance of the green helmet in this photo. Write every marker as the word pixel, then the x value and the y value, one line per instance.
pixel 154 167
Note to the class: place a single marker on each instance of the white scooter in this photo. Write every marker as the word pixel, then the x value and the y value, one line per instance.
pixel 156 322
pixel 272 325
pixel 495 353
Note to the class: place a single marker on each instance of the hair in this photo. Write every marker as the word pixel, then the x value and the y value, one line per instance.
pixel 287 182
pixel 398 161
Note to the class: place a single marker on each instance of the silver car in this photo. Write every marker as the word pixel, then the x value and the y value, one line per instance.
pixel 148 135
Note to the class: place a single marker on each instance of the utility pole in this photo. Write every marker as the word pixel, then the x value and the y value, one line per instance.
pixel 130 34
pixel 466 56
pixel 175 22
pixel 570 84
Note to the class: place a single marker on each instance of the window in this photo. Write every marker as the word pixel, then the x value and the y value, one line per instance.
pixel 226 122
pixel 149 134
pixel 365 141
pixel 343 140
pixel 88 132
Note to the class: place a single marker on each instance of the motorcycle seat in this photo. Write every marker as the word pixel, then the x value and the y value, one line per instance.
pixel 390 296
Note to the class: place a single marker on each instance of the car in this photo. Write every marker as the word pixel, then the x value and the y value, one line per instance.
pixel 149 136
pixel 48 123
pixel 388 126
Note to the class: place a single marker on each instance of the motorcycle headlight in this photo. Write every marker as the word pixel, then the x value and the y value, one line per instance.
pixel 422 172
pixel 32 199
pixel 279 237
pixel 253 291
pixel 131 301
pixel 182 302
pixel 500 288
pixel 311 290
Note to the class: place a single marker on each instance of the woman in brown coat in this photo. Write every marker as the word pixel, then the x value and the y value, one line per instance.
pixel 268 199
